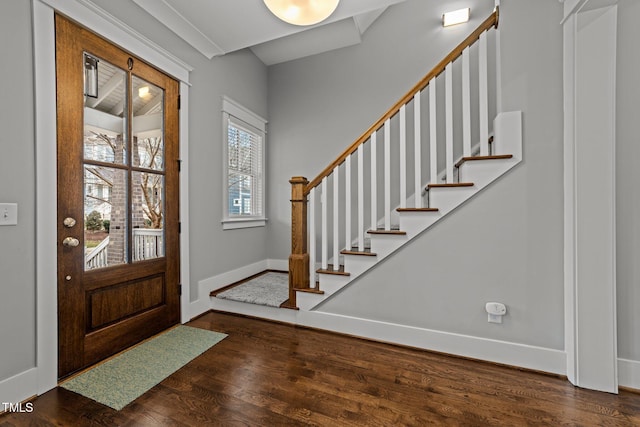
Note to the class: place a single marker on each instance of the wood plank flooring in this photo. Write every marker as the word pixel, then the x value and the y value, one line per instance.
pixel 270 374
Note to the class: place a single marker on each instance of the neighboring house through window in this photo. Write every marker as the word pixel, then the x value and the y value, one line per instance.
pixel 244 174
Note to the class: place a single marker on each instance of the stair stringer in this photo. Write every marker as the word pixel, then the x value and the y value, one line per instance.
pixel 507 140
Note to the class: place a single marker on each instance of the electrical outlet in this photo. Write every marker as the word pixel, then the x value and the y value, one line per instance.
pixel 495 311
pixel 8 214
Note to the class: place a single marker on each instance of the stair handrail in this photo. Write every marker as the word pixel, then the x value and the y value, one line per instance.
pixel 299 259
pixel 491 21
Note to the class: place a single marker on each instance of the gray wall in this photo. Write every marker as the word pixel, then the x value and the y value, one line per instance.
pixel 627 177
pixel 17 185
pixel 242 77
pixel 507 242
pixel 319 105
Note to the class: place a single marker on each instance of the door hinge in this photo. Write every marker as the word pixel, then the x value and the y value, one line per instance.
pixel 179 165
pixel 179 288
pixel 179 227
pixel 179 102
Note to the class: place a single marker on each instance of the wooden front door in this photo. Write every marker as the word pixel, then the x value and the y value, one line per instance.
pixel 118 209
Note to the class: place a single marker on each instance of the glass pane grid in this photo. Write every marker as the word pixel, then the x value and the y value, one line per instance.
pixel 124 203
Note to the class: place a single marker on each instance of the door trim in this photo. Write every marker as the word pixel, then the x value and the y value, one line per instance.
pixel 89 15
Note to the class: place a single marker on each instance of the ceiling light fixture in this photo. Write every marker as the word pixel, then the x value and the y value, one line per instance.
pixel 143 91
pixel 302 12
pixel 456 17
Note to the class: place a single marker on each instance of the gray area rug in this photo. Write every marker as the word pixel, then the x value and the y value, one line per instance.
pixel 270 289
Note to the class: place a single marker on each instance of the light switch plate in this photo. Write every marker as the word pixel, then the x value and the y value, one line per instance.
pixel 8 214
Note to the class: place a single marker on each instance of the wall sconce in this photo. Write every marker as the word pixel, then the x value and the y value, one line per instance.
pixel 302 12
pixel 90 76
pixel 456 17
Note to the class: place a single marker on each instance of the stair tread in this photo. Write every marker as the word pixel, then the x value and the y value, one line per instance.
pixel 310 291
pixel 417 209
pixel 356 251
pixel 393 232
pixel 451 185
pixel 330 270
pixel 288 305
pixel 473 158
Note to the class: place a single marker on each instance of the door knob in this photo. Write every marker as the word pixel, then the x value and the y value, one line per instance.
pixel 71 242
pixel 69 222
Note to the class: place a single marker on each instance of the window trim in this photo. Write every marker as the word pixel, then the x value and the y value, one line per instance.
pixel 233 109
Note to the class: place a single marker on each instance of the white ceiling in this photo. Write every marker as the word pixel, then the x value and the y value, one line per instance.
pixel 217 27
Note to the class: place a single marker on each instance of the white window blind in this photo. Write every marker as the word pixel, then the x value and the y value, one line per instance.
pixel 244 169
pixel 244 181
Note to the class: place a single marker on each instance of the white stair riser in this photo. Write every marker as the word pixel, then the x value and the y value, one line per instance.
pixel 416 222
pixel 306 300
pixel 358 264
pixel 383 244
pixel 484 172
pixel 447 198
pixel 331 283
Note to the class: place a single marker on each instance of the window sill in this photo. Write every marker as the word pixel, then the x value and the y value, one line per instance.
pixel 234 224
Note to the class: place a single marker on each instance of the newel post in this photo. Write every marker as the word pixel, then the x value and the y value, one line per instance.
pixel 299 258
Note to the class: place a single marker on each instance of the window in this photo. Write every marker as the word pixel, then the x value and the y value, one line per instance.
pixel 244 154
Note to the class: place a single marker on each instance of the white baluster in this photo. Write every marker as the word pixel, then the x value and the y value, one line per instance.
pixel 374 180
pixel 324 243
pixel 417 151
pixel 448 79
pixel 403 157
pixel 433 130
pixel 466 104
pixel 361 198
pixel 387 174
pixel 336 218
pixel 312 237
pixel 347 199
pixel 484 95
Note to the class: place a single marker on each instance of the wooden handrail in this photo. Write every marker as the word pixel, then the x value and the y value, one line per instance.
pixel 491 21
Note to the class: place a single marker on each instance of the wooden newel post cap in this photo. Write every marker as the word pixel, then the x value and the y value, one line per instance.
pixel 299 180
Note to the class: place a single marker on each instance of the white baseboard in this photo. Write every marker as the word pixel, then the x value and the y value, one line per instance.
pixel 278 264
pixel 206 286
pixel 507 353
pixel 629 373
pixel 19 387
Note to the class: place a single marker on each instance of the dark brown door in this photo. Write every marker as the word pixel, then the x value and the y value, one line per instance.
pixel 118 211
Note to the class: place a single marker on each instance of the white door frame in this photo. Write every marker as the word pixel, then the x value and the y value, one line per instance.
pixel 87 14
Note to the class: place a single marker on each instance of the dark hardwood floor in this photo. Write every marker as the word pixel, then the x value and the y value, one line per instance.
pixel 269 374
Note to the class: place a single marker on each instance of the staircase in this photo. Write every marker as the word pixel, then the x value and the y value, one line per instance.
pixel 410 169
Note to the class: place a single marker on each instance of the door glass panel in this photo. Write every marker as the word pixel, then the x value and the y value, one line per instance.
pixel 147 215
pixel 147 124
pixel 105 115
pixel 105 216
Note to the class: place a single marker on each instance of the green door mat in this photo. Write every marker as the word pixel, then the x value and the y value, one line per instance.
pixel 121 380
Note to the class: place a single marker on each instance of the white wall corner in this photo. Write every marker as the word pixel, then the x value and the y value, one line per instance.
pixel 278 264
pixel 206 286
pixel 589 168
pixel 20 387
pixel 629 373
